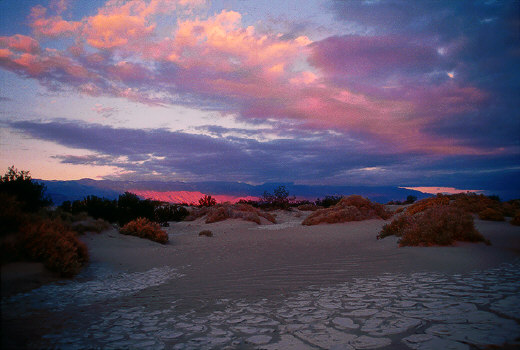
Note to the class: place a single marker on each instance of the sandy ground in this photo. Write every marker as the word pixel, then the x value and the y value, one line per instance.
pixel 268 267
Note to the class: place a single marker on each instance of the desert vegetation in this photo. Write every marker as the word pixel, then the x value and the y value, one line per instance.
pixel 443 219
pixel 487 207
pixel 126 208
pixel 221 212
pixel 144 228
pixel 491 215
pixel 409 200
pixel 436 225
pixel 351 208
pixel 29 232
pixel 206 233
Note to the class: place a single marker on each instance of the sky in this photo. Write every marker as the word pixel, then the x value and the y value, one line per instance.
pixel 404 93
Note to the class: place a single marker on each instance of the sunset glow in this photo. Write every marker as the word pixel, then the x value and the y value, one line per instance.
pixel 305 91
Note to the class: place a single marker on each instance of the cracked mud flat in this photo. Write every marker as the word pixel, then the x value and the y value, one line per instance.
pixel 416 310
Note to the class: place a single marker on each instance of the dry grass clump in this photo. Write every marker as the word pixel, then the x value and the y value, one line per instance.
pixel 438 225
pixel 206 233
pixel 90 225
pixel 352 208
pixel 426 203
pixel 56 246
pixel 308 207
pixel 145 228
pixel 491 215
pixel 236 211
pixel 474 203
pixel 396 227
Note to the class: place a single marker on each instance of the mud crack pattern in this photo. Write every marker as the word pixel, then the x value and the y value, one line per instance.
pixel 417 311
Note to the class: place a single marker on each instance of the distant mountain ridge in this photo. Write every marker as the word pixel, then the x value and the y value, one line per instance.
pixel 72 190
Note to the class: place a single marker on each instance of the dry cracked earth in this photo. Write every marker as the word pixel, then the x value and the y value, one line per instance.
pixel 396 311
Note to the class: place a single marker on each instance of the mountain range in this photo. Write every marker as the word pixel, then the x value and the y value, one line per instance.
pixel 190 192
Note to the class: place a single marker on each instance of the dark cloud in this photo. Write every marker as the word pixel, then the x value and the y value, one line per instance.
pixel 323 159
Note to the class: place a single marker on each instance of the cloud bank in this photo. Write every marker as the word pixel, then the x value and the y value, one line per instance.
pixel 422 90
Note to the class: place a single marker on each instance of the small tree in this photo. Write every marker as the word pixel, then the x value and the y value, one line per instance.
pixel 19 184
pixel 410 199
pixel 207 201
pixel 280 198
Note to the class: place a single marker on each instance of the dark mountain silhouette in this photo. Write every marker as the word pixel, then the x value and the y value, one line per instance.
pixel 61 191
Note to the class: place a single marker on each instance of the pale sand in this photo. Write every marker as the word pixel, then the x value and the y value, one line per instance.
pixel 243 258
pixel 134 287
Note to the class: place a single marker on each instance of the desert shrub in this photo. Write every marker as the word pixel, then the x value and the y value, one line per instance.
pixel 250 202
pixel 426 203
pixel 328 201
pixel 396 227
pixel 206 233
pixel 169 212
pixel 438 225
pixel 491 214
pixel 130 207
pixel 279 199
pixel 245 212
pixel 207 201
pixel 144 228
pixel 409 200
pixel 510 208
pixel 516 219
pixel 90 225
pixel 474 203
pixel 11 214
pixel 30 194
pixel 399 210
pixel 195 213
pixel 52 243
pixel 352 208
pixel 308 207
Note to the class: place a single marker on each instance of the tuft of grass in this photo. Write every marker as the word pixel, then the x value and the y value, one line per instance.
pixel 51 242
pixel 206 233
pixel 437 225
pixel 352 208
pixel 144 228
pixel 491 214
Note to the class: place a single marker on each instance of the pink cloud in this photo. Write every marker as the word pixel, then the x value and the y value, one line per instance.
pixel 375 86
pixel 20 43
pixel 109 31
pixel 103 110
pixel 53 26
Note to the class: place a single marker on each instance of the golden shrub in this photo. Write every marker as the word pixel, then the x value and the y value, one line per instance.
pixel 51 242
pixel 144 228
pixel 352 208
